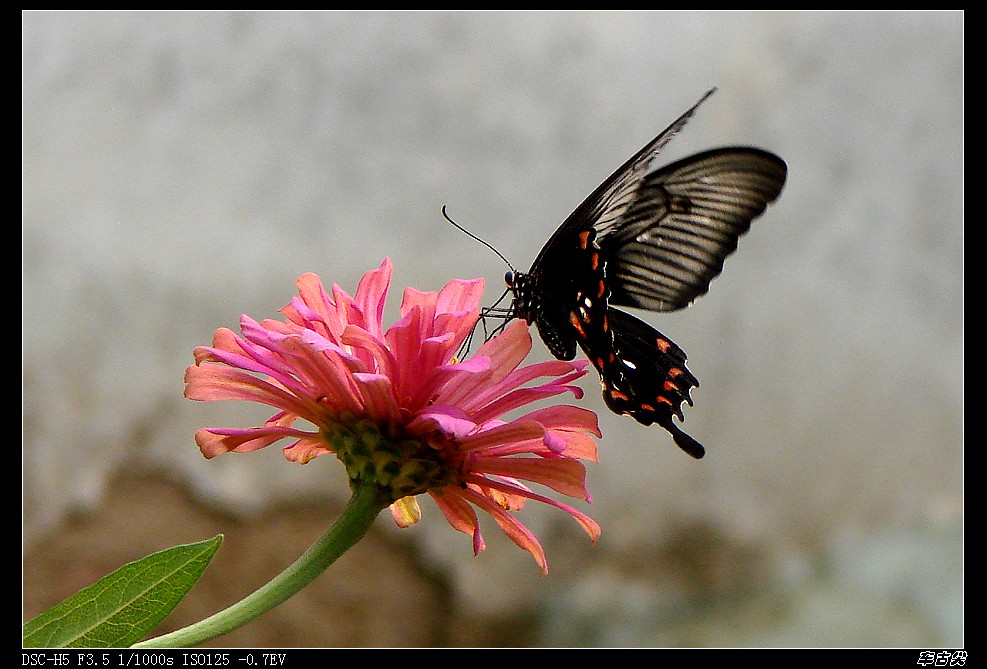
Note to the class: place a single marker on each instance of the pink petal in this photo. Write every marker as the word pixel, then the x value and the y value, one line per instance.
pixel 505 352
pixel 424 303
pixel 511 526
pixel 303 450
pixel 382 359
pixel 514 431
pixel 371 294
pixel 295 363
pixel 566 417
pixel 223 339
pixel 589 525
pixel 377 397
pixel 215 441
pixel 493 404
pixel 449 420
pixel 210 383
pixel 563 475
pixel 459 514
pixel 460 296
pixel 433 387
pixel 493 393
pixel 319 307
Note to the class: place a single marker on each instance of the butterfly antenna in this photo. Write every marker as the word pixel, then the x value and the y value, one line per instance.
pixel 504 314
pixel 471 235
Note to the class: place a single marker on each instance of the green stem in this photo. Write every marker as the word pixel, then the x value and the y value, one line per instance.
pixel 367 501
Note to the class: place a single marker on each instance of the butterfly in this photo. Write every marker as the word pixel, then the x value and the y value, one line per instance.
pixel 652 240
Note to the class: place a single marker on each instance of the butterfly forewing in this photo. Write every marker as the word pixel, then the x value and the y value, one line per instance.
pixel 611 198
pixel 686 218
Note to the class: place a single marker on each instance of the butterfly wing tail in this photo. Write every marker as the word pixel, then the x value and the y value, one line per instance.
pixel 681 439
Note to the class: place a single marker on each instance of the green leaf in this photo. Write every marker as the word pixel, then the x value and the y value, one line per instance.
pixel 124 606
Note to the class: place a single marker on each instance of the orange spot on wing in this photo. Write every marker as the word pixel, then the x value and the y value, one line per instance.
pixel 617 394
pixel 584 239
pixel 665 400
pixel 576 323
pixel 663 344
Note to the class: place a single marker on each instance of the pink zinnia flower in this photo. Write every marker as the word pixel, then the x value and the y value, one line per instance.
pixel 395 406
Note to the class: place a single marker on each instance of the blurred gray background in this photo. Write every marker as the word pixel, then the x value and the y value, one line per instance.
pixel 180 169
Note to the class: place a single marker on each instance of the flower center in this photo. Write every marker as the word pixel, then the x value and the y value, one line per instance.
pixel 401 466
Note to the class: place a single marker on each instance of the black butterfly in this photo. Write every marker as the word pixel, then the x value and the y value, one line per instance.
pixel 652 240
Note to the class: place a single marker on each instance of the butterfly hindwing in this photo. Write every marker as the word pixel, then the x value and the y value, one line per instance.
pixel 646 377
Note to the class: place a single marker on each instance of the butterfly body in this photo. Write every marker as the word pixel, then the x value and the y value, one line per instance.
pixel 567 309
pixel 653 240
